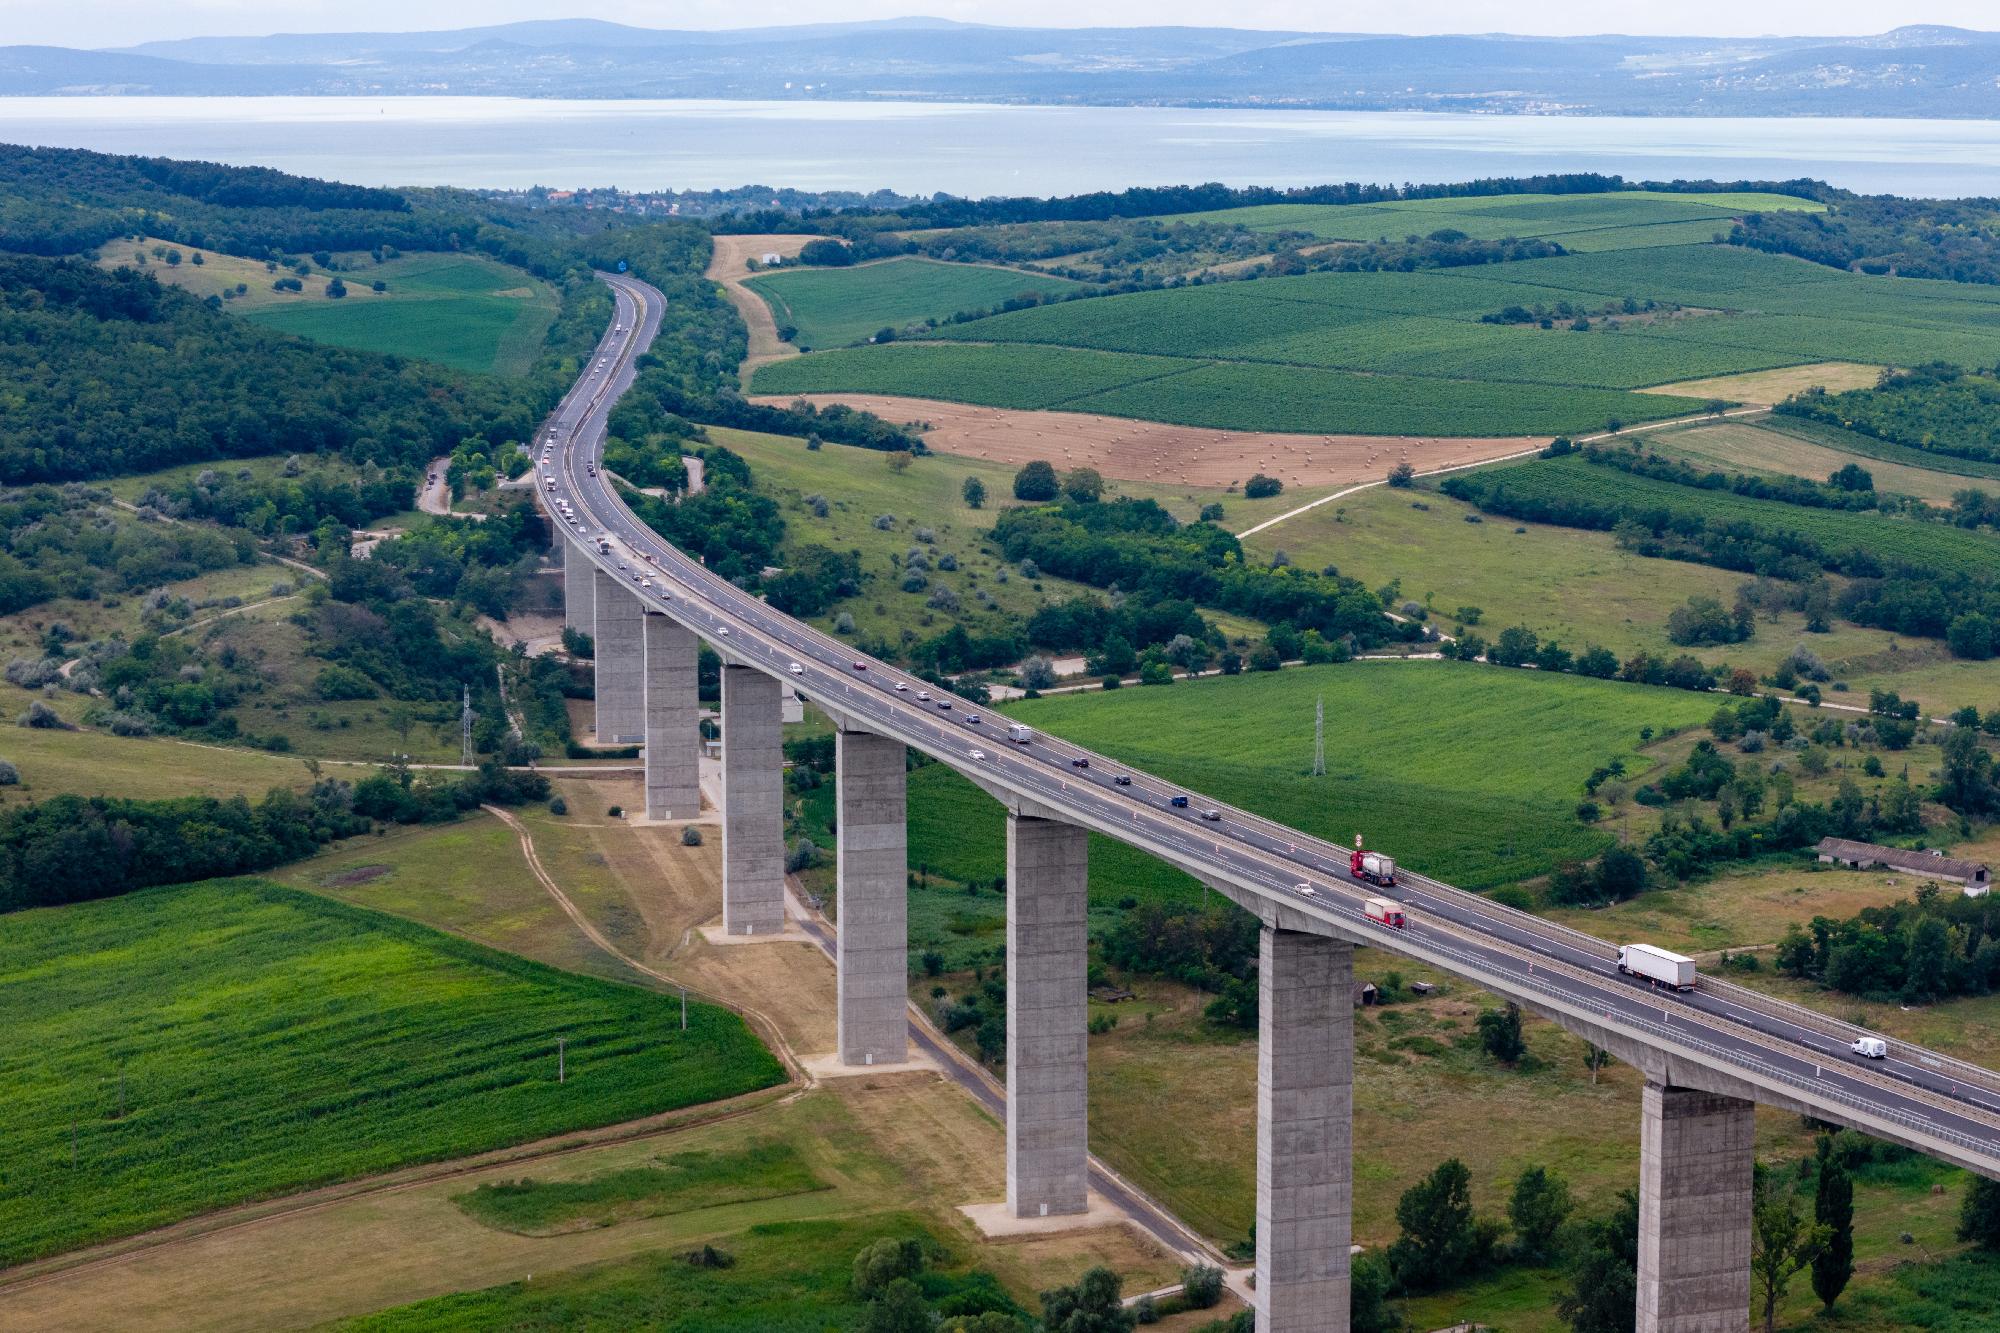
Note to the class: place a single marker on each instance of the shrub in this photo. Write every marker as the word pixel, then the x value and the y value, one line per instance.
pixel 1201 1286
pixel 558 806
pixel 9 775
pixel 43 718
pixel 615 812
pixel 1402 475
pixel 843 623
pixel 1261 487
pixel 690 836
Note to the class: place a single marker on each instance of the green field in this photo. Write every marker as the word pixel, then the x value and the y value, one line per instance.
pixel 1470 773
pixel 788 1277
pixel 1387 352
pixel 1224 395
pixel 1934 546
pixel 469 313
pixel 1628 219
pixel 184 1048
pixel 831 307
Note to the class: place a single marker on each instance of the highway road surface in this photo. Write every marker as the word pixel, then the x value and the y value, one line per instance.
pixel 1785 1050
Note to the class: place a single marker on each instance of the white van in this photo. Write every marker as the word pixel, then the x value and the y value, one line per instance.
pixel 1871 1048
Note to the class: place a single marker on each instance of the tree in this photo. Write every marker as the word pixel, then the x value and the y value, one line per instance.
pixel 1261 487
pixel 1083 485
pixel 335 288
pixel 1781 1243
pixel 1201 1286
pixel 1972 635
pixel 1500 1033
pixel 1852 477
pixel 1036 482
pixel 900 1308
pixel 1402 475
pixel 1979 1215
pixel 1368 1297
pixel 1538 1208
pixel 1440 1239
pixel 1594 1060
pixel 1090 1306
pixel 1833 1208
pixel 1037 673
pixel 974 493
pixel 884 1261
pixel 1603 1274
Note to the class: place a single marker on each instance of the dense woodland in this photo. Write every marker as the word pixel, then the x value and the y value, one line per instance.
pixel 1940 409
pixel 1954 239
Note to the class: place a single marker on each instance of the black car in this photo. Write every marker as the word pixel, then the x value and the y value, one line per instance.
pixel 1079 762
pixel 1123 780
pixel 1178 802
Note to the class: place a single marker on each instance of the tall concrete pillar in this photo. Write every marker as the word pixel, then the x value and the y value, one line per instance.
pixel 1696 1152
pixel 1047 1143
pixel 873 862
pixel 621 660
pixel 753 810
pixel 673 720
pixel 579 607
pixel 1305 1131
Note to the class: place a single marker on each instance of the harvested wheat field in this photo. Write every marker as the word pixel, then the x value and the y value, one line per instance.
pixel 1130 450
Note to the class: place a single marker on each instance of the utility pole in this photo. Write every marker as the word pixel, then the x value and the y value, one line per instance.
pixel 562 1069
pixel 684 1008
pixel 1319 737
pixel 465 728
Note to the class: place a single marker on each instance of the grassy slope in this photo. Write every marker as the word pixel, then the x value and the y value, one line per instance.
pixel 1578 587
pixel 830 307
pixel 285 1041
pixel 463 311
pixel 860 486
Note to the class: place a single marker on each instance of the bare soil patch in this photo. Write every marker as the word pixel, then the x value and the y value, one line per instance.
pixel 729 264
pixel 1132 450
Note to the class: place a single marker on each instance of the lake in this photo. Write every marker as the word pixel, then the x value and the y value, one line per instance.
pixel 965 149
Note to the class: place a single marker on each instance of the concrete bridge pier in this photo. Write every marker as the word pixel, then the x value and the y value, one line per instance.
pixel 1696 1151
pixel 753 811
pixel 579 611
pixel 672 720
pixel 872 857
pixel 617 629
pixel 1047 1141
pixel 1305 1131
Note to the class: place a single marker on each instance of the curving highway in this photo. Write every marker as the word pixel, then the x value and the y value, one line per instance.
pixel 1779 1053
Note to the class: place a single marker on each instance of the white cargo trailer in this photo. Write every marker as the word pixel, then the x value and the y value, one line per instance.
pixel 1019 734
pixel 1662 967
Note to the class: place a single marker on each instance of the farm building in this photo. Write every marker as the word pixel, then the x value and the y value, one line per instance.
pixel 1934 865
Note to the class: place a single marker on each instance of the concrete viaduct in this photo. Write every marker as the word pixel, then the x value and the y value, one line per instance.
pixel 1708 1055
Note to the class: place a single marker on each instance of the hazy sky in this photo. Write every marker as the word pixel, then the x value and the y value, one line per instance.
pixel 122 22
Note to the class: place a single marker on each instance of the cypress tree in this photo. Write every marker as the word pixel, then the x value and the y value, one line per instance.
pixel 1833 1208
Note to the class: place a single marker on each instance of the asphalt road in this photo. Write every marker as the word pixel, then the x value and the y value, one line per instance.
pixel 1508 951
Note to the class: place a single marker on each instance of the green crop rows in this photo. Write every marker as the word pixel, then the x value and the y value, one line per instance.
pixel 185 1048
pixel 1934 546
pixel 1408 352
pixel 833 307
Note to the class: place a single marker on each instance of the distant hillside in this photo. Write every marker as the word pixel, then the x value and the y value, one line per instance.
pixel 1923 70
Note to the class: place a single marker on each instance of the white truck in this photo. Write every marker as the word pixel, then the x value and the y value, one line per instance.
pixel 1019 734
pixel 1662 967
pixel 1385 910
pixel 1870 1048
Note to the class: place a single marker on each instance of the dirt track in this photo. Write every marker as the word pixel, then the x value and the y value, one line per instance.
pixel 729 264
pixel 1150 451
